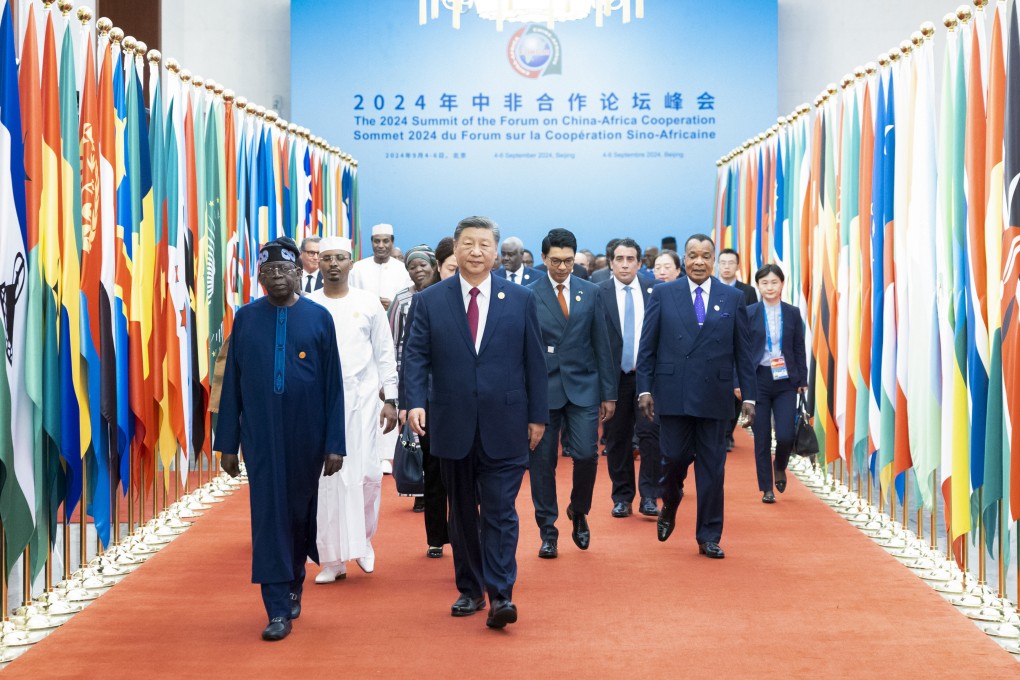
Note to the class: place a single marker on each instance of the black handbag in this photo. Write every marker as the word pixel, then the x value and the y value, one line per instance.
pixel 805 442
pixel 408 469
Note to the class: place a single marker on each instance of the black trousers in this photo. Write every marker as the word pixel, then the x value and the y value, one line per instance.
pixel 436 512
pixel 701 441
pixel 776 403
pixel 276 596
pixel 620 431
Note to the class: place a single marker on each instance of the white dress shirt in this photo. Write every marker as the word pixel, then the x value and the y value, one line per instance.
pixel 706 289
pixel 484 295
pixel 566 289
pixel 516 277
pixel 308 278
pixel 774 315
pixel 639 308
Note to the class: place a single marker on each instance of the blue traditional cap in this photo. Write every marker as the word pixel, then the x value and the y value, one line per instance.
pixel 279 250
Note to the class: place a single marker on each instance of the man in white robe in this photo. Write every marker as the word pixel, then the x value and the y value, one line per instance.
pixel 348 506
pixel 382 275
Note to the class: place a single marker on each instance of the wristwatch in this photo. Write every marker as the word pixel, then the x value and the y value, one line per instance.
pixel 391 402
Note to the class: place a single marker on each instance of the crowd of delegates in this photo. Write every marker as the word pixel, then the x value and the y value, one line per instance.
pixel 500 364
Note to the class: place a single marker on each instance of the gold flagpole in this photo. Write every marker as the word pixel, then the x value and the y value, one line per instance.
pixel 141 497
pixel 155 485
pixel 26 576
pixel 1002 549
pixel 934 496
pixel 115 513
pixel 982 565
pixel 83 529
pixel 3 576
pixel 67 543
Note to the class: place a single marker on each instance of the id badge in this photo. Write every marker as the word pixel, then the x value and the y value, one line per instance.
pixel 779 371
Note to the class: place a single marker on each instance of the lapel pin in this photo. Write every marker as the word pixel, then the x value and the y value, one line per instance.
pixel 649 290
pixel 301 355
pixel 501 295
pixel 578 298
pixel 717 308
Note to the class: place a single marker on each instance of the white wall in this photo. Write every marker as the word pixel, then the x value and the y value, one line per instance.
pixel 242 44
pixel 822 40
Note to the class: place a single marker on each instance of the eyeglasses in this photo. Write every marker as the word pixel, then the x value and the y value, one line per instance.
pixel 272 270
pixel 565 262
pixel 334 258
pixel 311 253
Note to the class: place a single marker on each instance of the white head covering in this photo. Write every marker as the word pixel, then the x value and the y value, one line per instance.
pixel 335 243
pixel 382 230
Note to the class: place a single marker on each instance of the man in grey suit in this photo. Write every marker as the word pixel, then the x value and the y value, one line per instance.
pixel 576 341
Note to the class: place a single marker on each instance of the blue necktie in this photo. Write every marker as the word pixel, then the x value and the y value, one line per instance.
pixel 699 305
pixel 628 331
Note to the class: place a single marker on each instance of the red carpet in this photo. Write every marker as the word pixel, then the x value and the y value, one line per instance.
pixel 801 593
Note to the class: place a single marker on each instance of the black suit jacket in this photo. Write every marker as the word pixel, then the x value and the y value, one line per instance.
pixel 578 271
pixel 793 346
pixel 612 311
pixel 750 294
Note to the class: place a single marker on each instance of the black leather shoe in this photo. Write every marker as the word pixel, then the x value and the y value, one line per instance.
pixel 548 550
pixel 581 533
pixel 649 508
pixel 419 504
pixel 295 606
pixel 710 549
pixel 434 551
pixel 467 605
pixel 768 497
pixel 621 509
pixel 729 444
pixel 780 480
pixel 501 613
pixel 277 629
pixel 667 522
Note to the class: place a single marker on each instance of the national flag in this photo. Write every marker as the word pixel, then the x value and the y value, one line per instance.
pixel 887 401
pixel 847 277
pixel 862 364
pixel 17 440
pixel 128 391
pixel 878 266
pixel 91 302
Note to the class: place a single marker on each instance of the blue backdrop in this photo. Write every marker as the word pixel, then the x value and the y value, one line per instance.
pixel 607 132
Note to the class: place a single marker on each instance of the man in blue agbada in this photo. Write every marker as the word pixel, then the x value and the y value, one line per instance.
pixel 282 405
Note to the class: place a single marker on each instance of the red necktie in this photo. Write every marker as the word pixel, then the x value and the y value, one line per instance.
pixel 472 314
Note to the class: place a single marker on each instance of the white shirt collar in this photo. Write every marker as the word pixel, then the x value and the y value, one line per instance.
pixel 620 285
pixel 565 284
pixel 519 270
pixel 706 287
pixel 484 288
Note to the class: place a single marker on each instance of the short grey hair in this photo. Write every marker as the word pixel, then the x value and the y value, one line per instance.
pixel 310 239
pixel 476 222
pixel 514 243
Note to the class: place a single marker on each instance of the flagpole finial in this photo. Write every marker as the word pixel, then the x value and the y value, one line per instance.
pixel 172 66
pixel 219 90
pixel 847 81
pixel 141 48
pixel 241 103
pixel 980 4
pixel 185 76
pixel 871 68
pixel 116 35
pixel 950 21
pixel 906 47
pixel 282 124
pixel 292 128
pixel 894 55
pixel 964 14
pixel 883 60
pixel 47 4
pixel 198 81
pixel 859 73
pixel 153 57
pixel 84 15
pixel 831 89
pixel 260 111
pixel 928 30
pixel 229 96
pixel 271 116
pixel 210 86
pixel 129 43
pixel 65 7
pixel 917 38
pixel 103 25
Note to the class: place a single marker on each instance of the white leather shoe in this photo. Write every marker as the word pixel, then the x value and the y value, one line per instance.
pixel 367 563
pixel 329 574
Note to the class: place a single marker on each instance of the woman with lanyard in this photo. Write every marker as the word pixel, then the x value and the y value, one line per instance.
pixel 777 339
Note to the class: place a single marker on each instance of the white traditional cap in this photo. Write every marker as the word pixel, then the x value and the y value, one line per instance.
pixel 335 243
pixel 382 230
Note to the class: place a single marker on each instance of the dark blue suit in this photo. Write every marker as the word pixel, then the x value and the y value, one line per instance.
pixel 689 371
pixel 480 405
pixel 776 398
pixel 528 275
pixel 627 421
pixel 581 376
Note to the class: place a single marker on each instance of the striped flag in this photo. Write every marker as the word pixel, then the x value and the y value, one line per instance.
pixel 17 493
pixel 877 301
pixel 862 365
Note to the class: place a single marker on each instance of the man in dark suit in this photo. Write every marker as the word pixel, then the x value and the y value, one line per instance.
pixel 694 337
pixel 582 389
pixel 311 277
pixel 513 269
pixel 729 264
pixel 624 299
pixel 600 275
pixel 475 355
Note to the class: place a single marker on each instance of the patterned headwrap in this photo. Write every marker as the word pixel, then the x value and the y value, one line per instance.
pixel 420 252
